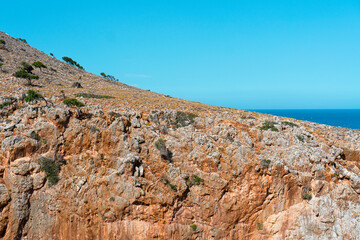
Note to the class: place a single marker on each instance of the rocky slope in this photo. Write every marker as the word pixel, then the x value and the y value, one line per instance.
pixel 147 166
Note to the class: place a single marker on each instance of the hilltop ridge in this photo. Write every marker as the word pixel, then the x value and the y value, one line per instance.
pixel 60 76
pixel 126 163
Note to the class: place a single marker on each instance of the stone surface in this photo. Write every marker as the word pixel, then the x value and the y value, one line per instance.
pixel 104 178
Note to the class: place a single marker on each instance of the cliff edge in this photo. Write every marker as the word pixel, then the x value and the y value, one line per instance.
pixel 133 164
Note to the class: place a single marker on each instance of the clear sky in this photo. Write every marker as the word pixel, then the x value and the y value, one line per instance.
pixel 245 54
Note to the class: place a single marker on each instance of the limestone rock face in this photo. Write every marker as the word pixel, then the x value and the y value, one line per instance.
pixel 226 177
pixel 143 165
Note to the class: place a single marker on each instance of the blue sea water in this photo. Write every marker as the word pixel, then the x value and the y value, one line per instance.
pixel 348 118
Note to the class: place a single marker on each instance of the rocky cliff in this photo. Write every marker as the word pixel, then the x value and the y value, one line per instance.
pixel 142 165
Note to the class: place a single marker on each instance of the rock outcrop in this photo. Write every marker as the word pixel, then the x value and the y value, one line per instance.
pixel 183 170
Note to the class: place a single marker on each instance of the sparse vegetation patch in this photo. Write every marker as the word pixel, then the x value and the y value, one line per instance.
pixel 269 125
pixel 32 95
pixel 114 114
pixel 184 119
pixel 73 102
pixel 5 104
pixel 164 152
pixel 160 143
pixel 51 169
pixel 196 180
pixel 172 187
pixel 290 124
pixel 22 40
pixel 89 95
pixel 300 138
pixel 193 227
pixel 26 72
pixel 265 163
pixel 306 196
pixel 35 136
pixel 39 64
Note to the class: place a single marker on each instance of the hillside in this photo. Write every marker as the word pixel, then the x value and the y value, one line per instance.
pixel 60 76
pixel 142 165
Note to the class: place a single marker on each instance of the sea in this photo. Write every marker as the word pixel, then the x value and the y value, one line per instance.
pixel 347 118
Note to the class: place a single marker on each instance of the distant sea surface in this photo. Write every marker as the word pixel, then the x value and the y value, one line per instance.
pixel 348 118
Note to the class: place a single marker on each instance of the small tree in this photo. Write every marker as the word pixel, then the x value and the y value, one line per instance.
pixel 31 95
pixel 23 74
pixel 2 41
pixel 72 62
pixel 110 77
pixel 26 73
pixel 27 67
pixel 39 64
pixel 22 40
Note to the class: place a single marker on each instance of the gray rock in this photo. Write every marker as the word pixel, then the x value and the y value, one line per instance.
pixel 8 127
pixel 4 195
pixel 38 180
pixel 135 122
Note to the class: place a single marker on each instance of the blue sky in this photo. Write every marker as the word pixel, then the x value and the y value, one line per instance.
pixel 244 54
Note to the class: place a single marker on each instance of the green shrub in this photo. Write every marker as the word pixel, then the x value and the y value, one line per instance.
pixel 89 95
pixel 31 95
pixel 164 152
pixel 35 136
pixel 184 119
pixel 110 77
pixel 112 199
pixel 196 180
pixel 7 101
pixel 5 104
pixel 114 114
pixel 51 169
pixel 160 143
pixel 265 163
pixel 26 72
pixel 22 40
pixel 26 66
pixel 69 60
pixel 23 74
pixel 269 125
pixel 72 62
pixel 193 227
pixel 39 64
pixel 2 41
pixel 172 187
pixel 94 129
pixel 300 138
pixel 306 196
pixel 290 124
pixel 73 102
pixel 259 226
